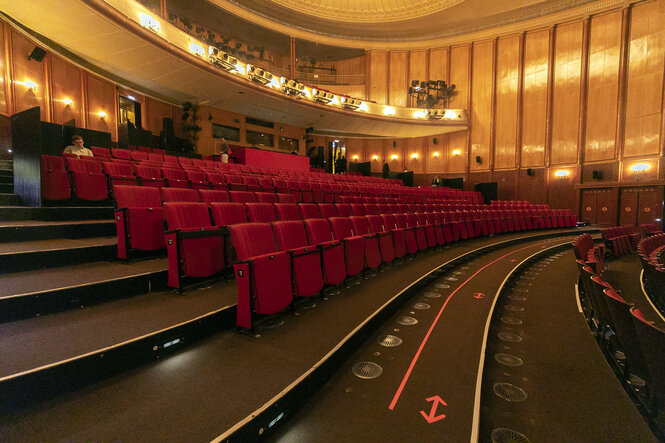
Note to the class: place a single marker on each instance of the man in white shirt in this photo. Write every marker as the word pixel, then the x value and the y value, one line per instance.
pixel 77 147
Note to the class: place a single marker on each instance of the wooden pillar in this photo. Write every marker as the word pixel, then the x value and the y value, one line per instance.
pixel 619 141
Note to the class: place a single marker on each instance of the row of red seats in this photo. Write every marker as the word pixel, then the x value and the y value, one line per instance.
pixel 620 326
pixel 620 240
pixel 586 250
pixel 649 229
pixel 650 251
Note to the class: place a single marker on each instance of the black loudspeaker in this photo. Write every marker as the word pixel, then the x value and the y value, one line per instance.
pixel 489 191
pixel 529 172
pixel 37 54
pixel 596 175
pixel 478 159
pixel 394 144
pixel 435 141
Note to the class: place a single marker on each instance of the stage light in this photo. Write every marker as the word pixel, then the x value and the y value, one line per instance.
pixel 562 173
pixel 334 101
pixel 388 110
pixel 259 75
pixel 322 96
pixel 363 107
pixel 449 114
pixel 222 59
pixel 419 114
pixel 292 87
pixel 240 68
pixel 149 22
pixel 435 114
pixel 274 83
pixel 350 103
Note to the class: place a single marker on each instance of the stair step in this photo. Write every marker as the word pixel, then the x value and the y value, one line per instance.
pixel 7 188
pixel 44 291
pixel 56 213
pixel 30 255
pixel 6 173
pixel 10 200
pixel 20 231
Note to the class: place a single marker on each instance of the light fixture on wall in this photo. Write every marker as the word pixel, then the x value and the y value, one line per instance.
pixel 32 86
pixel 375 157
pixel 457 152
pixel 355 157
pixel 394 157
pixel 435 155
pixel 102 114
pixel 414 155
pixel 68 102
pixel 640 167
pixel 562 173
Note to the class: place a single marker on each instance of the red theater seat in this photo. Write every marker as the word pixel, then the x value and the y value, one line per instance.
pixel 263 274
pixel 360 227
pixel 308 210
pixel 139 219
pixel 260 212
pixel 332 251
pixel 209 196
pixel 179 195
pixel 354 246
pixel 287 211
pixel 305 258
pixel 195 248
pixel 88 180
pixel 55 180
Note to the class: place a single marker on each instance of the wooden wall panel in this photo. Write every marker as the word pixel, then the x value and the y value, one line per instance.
pixel 561 190
pixel 378 76
pixel 644 89
pixel 459 76
pixel 507 80
pixel 457 153
pixel 25 71
pixel 436 164
pixel 355 146
pixel 602 90
pixel 608 171
pixel 566 96
pixel 506 182
pixel 375 148
pixel 397 77
pixel 66 85
pixel 533 188
pixel 477 177
pixel 438 64
pixel 482 91
pixel 534 115
pixel 418 66
pixel 416 146
pixel 101 98
pixel 396 164
pixel 156 111
pixel 3 71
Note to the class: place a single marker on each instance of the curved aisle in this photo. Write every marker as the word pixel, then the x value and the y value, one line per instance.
pixel 545 376
pixel 425 387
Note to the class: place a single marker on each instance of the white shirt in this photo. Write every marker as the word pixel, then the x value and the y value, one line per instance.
pixel 82 151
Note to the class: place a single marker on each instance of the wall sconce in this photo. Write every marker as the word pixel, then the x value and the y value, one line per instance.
pixel 394 157
pixel 435 155
pixel 68 102
pixel 102 114
pixel 388 110
pixel 562 173
pixel 414 155
pixel 32 86
pixel 355 157
pixel 457 152
pixel 640 167
pixel 375 157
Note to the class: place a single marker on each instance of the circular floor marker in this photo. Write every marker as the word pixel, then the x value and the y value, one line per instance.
pixel 514 297
pixel 507 336
pixel 464 267
pixel 511 321
pixel 367 370
pixel 505 435
pixel 407 321
pixel 522 290
pixel 308 305
pixel 389 341
pixel 421 305
pixel 459 272
pixel 452 278
pixel 431 294
pixel 513 308
pixel 509 392
pixel 442 285
pixel 508 360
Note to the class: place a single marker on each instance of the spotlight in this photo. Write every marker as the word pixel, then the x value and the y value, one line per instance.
pixel 292 87
pixel 222 59
pixel 195 48
pixel 322 96
pixel 388 110
pixel 435 114
pixel 258 75
pixel 350 103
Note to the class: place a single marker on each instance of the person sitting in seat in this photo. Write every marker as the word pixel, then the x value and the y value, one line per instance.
pixel 77 147
pixel 436 181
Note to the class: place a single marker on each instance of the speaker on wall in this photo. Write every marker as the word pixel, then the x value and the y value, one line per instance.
pixel 37 54
pixel 394 144
pixel 478 159
pixel 529 172
pixel 435 141
pixel 596 175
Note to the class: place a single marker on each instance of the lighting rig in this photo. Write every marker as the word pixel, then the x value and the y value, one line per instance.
pixel 428 94
pixel 222 59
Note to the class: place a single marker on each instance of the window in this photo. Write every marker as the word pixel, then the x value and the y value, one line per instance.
pixel 260 138
pixel 228 132
pixel 257 122
pixel 288 143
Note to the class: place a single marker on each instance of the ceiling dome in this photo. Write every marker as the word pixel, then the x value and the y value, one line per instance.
pixel 367 11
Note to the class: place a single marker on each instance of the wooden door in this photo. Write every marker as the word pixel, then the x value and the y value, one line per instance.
pixel 589 206
pixel 628 206
pixel 608 200
pixel 650 205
